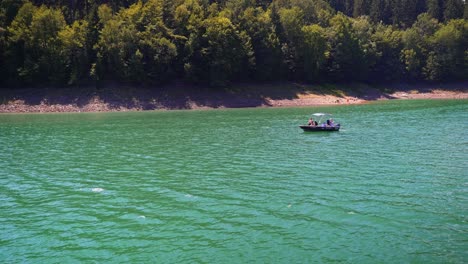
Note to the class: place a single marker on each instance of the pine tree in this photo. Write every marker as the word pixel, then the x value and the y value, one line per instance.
pixel 453 9
pixel 420 7
pixel 375 11
pixel 349 6
pixel 465 14
pixel 380 11
pixel 434 8
pixel 405 12
pixel 338 5
pixel 360 8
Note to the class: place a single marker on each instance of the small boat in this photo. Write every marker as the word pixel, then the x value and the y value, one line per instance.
pixel 326 126
pixel 320 128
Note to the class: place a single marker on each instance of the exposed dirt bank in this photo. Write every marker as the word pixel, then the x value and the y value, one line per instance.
pixel 178 96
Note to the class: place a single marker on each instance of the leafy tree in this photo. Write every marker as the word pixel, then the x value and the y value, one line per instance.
pixel 157 42
pixel 416 44
pixel 39 52
pixel 312 10
pixel 388 45
pixel 135 45
pixel 314 51
pixel 188 21
pixel 235 8
pixel 363 30
pixel 16 45
pixel 448 58
pixel 219 54
pixel 73 39
pixel 117 44
pixel 347 59
pixel 48 49
pixel 291 23
pixel 258 24
pixel 189 17
pixel 412 61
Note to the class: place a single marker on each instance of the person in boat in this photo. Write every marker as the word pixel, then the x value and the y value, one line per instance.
pixel 330 122
pixel 312 122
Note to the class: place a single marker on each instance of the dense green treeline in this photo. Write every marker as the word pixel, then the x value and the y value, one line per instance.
pixel 216 42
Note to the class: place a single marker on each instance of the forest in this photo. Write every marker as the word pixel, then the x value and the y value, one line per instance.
pixel 215 43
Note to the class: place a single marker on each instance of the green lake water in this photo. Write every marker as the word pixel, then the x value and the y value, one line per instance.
pixel 237 186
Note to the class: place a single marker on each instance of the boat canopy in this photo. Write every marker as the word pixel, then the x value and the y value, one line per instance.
pixel 321 114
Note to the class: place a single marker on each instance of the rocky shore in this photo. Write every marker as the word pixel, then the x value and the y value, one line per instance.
pixel 113 98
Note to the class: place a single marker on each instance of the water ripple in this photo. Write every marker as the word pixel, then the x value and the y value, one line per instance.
pixel 240 185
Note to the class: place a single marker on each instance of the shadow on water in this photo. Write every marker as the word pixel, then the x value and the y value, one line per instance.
pixel 320 133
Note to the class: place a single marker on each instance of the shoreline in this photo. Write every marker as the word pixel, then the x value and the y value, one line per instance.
pixel 117 98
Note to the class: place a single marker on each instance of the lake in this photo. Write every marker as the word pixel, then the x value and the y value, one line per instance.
pixel 237 186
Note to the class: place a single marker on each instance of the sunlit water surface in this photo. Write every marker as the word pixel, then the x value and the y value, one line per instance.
pixel 237 186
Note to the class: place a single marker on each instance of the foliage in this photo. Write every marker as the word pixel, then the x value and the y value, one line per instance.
pixel 135 44
pixel 447 58
pixel 314 51
pixel 37 47
pixel 453 9
pixel 434 9
pixel 217 42
pixel 258 25
pixel 388 45
pixel 73 39
pixel 221 53
pixel 347 58
pixel 417 45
